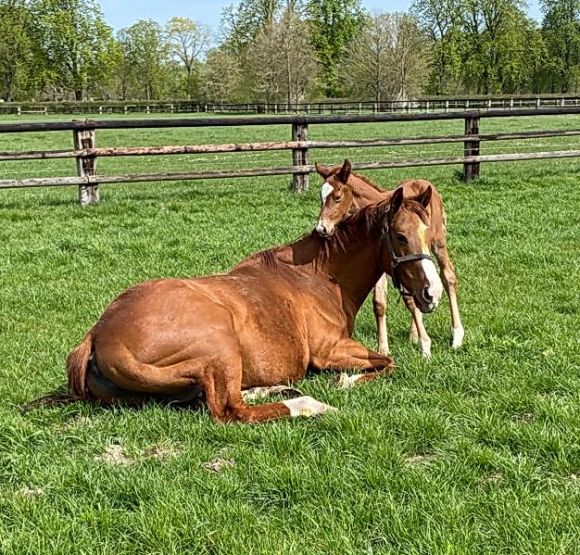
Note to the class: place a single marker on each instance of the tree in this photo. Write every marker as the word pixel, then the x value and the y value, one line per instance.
pixel 334 24
pixel 389 59
pixel 145 59
pixel 221 76
pixel 561 30
pixel 76 41
pixel 188 42
pixel 280 65
pixel 242 23
pixel 17 50
pixel 495 34
pixel 439 19
pixel 300 65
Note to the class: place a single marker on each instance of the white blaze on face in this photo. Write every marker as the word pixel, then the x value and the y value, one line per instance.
pixel 435 287
pixel 326 189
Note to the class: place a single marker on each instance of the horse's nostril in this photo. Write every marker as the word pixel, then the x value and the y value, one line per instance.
pixel 427 296
pixel 321 228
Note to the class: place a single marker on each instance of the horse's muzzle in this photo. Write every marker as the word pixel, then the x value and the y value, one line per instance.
pixel 321 230
pixel 425 307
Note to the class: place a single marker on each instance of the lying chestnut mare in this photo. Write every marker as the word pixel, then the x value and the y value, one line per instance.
pixel 343 192
pixel 265 322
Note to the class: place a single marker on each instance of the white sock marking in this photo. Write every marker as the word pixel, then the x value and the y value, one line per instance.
pixel 458 334
pixel 425 347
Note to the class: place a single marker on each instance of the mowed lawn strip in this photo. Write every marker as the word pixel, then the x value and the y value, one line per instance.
pixel 476 451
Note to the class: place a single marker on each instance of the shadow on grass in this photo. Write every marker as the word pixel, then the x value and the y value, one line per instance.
pixel 60 397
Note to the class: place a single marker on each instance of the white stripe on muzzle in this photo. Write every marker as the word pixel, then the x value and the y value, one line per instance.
pixel 435 287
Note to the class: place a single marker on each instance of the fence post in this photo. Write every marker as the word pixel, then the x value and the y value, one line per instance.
pixel 86 165
pixel 471 148
pixel 300 156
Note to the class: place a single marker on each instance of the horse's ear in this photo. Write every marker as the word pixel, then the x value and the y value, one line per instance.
pixel 397 200
pixel 425 197
pixel 344 172
pixel 322 170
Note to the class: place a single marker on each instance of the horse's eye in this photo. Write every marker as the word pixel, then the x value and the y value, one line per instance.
pixel 401 238
pixel 338 198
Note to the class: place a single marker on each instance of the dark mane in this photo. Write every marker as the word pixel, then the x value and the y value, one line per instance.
pixel 268 258
pixel 365 220
pixel 369 218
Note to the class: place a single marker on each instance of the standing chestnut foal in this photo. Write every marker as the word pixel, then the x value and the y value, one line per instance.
pixel 342 193
pixel 268 320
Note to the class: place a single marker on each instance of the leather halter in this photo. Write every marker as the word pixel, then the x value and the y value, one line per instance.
pixel 398 260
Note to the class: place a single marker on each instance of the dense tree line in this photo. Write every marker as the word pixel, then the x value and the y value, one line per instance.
pixel 290 50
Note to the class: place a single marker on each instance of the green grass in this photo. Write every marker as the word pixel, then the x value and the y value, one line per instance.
pixel 476 451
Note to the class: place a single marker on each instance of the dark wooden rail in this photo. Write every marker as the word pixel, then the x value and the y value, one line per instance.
pixel 332 107
pixel 86 154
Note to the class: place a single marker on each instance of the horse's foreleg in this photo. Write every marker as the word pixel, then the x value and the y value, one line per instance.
pixel 380 309
pixel 413 333
pixel 349 354
pixel 226 402
pixel 423 338
pixel 449 280
pixel 292 408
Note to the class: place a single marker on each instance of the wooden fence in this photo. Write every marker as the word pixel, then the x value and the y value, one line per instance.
pixel 86 154
pixel 435 104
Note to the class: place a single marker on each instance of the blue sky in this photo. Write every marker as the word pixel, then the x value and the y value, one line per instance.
pixel 121 13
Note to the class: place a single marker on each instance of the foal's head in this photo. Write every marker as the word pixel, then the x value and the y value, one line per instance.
pixel 336 197
pixel 405 236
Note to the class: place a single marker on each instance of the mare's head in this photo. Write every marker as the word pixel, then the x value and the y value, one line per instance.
pixel 412 268
pixel 336 197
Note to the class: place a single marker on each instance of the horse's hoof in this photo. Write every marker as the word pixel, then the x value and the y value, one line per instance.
pixel 307 406
pixel 347 381
pixel 383 350
pixel 458 334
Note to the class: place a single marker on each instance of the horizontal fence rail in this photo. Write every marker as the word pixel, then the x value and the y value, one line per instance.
pixel 86 154
pixel 322 107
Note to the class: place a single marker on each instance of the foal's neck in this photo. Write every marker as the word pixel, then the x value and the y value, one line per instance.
pixel 365 193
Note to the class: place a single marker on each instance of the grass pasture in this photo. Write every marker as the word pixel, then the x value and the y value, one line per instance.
pixel 475 451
